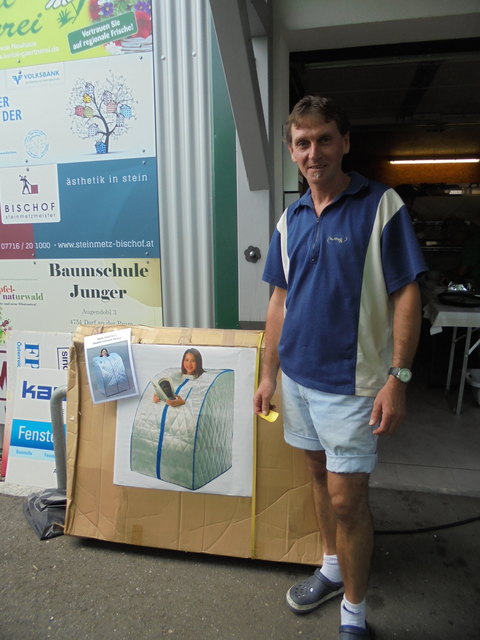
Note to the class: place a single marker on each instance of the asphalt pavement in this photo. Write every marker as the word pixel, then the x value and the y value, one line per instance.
pixel 425 583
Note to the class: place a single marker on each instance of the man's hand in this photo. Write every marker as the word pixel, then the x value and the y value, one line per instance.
pixel 390 407
pixel 263 395
pixel 270 365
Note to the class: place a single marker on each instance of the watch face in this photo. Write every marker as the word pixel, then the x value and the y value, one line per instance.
pixel 405 375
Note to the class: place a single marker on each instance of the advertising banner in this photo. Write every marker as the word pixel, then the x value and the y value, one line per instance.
pixel 74 213
pixel 31 459
pixel 32 350
pixel 79 219
pixel 78 111
pixel 44 31
pixel 67 293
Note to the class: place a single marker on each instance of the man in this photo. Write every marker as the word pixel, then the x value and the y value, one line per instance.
pixel 343 324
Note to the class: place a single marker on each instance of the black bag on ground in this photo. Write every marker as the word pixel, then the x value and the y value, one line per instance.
pixel 45 511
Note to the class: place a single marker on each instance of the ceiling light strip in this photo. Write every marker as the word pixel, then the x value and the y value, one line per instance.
pixel 437 161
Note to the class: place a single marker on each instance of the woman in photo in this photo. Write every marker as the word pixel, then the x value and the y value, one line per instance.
pixel 191 367
pixel 192 363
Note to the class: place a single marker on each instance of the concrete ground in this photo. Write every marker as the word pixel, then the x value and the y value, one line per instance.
pixel 425 585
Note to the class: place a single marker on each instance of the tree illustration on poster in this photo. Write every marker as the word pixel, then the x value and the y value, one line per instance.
pixel 101 112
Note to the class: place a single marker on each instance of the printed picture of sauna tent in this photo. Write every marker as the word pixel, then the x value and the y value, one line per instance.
pixel 183 427
pixel 110 369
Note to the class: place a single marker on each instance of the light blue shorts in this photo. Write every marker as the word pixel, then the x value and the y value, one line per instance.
pixel 337 424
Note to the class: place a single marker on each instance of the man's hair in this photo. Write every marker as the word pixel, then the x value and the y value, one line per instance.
pixel 315 107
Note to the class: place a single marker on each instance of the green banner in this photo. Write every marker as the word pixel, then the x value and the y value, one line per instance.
pixel 102 32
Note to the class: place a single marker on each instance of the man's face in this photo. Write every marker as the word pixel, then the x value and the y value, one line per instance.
pixel 317 148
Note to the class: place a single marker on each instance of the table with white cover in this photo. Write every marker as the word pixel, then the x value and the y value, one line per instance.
pixel 443 315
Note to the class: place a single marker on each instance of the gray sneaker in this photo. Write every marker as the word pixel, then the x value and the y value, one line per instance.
pixel 312 592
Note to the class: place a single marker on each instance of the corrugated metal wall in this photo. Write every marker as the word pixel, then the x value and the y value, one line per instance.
pixel 182 79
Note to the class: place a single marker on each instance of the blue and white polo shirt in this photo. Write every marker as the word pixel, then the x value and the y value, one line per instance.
pixel 339 271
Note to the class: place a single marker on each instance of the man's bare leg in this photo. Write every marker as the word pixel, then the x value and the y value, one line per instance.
pixel 326 583
pixel 349 497
pixel 327 522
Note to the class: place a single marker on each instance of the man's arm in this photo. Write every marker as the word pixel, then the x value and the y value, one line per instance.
pixel 390 404
pixel 271 363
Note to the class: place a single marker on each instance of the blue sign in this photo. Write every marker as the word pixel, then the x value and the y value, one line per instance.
pixel 108 210
pixel 32 434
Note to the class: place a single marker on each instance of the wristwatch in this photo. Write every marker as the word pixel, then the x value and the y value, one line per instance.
pixel 405 375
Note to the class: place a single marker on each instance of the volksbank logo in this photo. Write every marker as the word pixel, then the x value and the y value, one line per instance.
pixel 24 77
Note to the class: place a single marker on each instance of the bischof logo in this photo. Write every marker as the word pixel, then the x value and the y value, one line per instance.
pixel 28 188
pixel 30 195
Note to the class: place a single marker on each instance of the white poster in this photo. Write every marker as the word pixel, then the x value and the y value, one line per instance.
pixel 110 370
pixel 31 350
pixel 31 459
pixel 115 292
pixel 192 427
pixel 23 202
pixel 78 110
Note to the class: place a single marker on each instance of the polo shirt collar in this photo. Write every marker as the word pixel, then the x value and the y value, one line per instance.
pixel 356 184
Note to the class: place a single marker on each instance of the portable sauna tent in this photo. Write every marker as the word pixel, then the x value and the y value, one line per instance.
pixel 191 444
pixel 110 375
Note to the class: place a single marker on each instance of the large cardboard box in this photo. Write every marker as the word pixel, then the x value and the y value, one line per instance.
pixel 277 523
